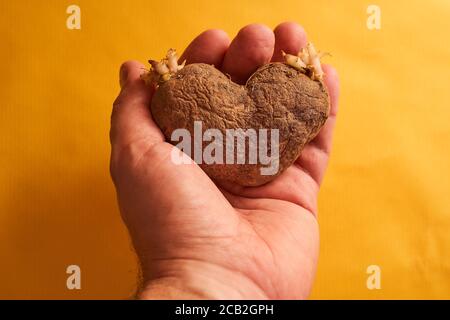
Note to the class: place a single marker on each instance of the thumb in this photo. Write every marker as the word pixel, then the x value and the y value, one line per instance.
pixel 131 119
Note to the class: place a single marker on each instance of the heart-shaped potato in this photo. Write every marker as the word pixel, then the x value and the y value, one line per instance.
pixel 277 96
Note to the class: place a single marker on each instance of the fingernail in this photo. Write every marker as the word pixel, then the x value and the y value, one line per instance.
pixel 123 75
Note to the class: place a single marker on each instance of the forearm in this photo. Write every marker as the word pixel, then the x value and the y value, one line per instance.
pixel 198 280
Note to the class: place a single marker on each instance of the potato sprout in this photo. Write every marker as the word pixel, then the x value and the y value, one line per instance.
pixel 163 70
pixel 307 59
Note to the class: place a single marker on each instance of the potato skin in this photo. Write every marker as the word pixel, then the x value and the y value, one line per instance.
pixel 276 96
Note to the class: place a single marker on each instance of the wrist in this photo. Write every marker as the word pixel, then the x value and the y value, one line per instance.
pixel 182 279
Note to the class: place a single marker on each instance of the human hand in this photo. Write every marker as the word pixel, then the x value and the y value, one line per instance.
pixel 194 238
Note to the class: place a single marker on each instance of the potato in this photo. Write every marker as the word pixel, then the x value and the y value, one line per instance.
pixel 285 98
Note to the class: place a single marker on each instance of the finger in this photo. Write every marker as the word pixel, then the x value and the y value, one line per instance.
pixel 209 47
pixel 250 49
pixel 290 38
pixel 314 157
pixel 131 119
pixel 324 138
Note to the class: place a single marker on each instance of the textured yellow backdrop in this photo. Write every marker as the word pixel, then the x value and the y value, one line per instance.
pixel 385 200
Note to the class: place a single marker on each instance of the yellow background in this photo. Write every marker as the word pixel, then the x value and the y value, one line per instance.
pixel 385 199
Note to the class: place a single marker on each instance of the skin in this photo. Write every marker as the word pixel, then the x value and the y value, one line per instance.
pixel 196 238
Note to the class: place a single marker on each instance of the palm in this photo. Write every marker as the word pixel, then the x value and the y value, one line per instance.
pixel 269 233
